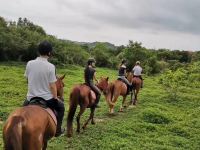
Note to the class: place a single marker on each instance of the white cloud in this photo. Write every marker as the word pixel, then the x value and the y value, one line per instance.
pixel 170 24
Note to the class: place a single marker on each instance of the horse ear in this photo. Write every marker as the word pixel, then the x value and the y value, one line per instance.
pixel 63 76
pixel 107 78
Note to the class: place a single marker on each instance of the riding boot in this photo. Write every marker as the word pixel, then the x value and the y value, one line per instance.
pixel 60 110
pixel 97 101
pixel 131 88
pixel 59 129
pixel 128 90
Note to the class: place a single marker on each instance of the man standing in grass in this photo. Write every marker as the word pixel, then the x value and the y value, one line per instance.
pixel 42 82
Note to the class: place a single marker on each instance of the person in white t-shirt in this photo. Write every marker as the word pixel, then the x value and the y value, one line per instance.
pixel 137 71
pixel 41 78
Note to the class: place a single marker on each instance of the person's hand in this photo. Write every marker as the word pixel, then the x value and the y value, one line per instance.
pixel 59 99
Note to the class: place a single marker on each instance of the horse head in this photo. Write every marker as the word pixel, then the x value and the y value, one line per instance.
pixel 60 86
pixel 103 84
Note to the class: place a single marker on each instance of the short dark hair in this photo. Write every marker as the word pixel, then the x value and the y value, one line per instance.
pixel 44 48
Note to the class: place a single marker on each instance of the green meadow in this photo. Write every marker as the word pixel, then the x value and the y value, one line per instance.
pixel 157 123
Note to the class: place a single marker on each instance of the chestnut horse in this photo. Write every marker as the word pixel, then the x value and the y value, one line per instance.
pixel 115 89
pixel 118 88
pixel 82 95
pixel 137 82
pixel 30 127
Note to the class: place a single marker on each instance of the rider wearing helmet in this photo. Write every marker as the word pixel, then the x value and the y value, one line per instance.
pixel 90 75
pixel 137 71
pixel 122 75
pixel 41 78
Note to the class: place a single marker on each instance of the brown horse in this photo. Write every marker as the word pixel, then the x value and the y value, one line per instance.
pixel 136 81
pixel 115 89
pixel 82 95
pixel 29 127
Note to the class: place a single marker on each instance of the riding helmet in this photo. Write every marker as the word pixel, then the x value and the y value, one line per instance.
pixel 91 60
pixel 137 62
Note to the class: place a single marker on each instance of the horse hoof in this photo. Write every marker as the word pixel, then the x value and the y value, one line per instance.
pixel 69 135
pixel 125 106
pixel 132 106
pixel 111 113
pixel 93 122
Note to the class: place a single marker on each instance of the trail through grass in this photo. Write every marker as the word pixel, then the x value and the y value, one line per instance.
pixel 156 123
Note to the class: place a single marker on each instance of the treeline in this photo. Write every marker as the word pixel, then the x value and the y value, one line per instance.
pixel 19 40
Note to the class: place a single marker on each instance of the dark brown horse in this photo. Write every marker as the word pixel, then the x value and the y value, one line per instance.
pixel 29 127
pixel 82 95
pixel 136 81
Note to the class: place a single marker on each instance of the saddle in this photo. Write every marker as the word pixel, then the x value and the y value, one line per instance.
pixel 129 89
pixel 92 93
pixel 42 103
pixel 119 79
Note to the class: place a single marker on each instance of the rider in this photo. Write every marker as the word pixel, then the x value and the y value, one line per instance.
pixel 41 82
pixel 137 71
pixel 122 75
pixel 89 75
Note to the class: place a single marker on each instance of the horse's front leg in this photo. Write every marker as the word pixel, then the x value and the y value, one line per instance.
pixel 82 109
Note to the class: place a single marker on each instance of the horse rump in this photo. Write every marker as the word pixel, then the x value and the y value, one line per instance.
pixel 12 133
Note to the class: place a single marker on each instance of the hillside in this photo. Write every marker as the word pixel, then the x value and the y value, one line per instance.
pixel 156 123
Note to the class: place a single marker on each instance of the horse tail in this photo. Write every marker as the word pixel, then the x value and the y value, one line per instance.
pixel 112 91
pixel 109 99
pixel 13 133
pixel 74 99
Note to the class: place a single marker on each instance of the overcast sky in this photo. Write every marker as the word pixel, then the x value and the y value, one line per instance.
pixel 173 24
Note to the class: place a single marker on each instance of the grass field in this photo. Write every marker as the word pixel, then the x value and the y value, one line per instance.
pixel 156 123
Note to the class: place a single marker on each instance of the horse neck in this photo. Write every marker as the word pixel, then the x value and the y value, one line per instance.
pixel 130 77
pixel 59 87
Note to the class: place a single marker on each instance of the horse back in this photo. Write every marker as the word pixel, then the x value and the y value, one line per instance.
pixel 83 95
pixel 137 82
pixel 119 88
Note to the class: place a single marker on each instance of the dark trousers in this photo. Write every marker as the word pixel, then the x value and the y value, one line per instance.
pixel 96 90
pixel 54 105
